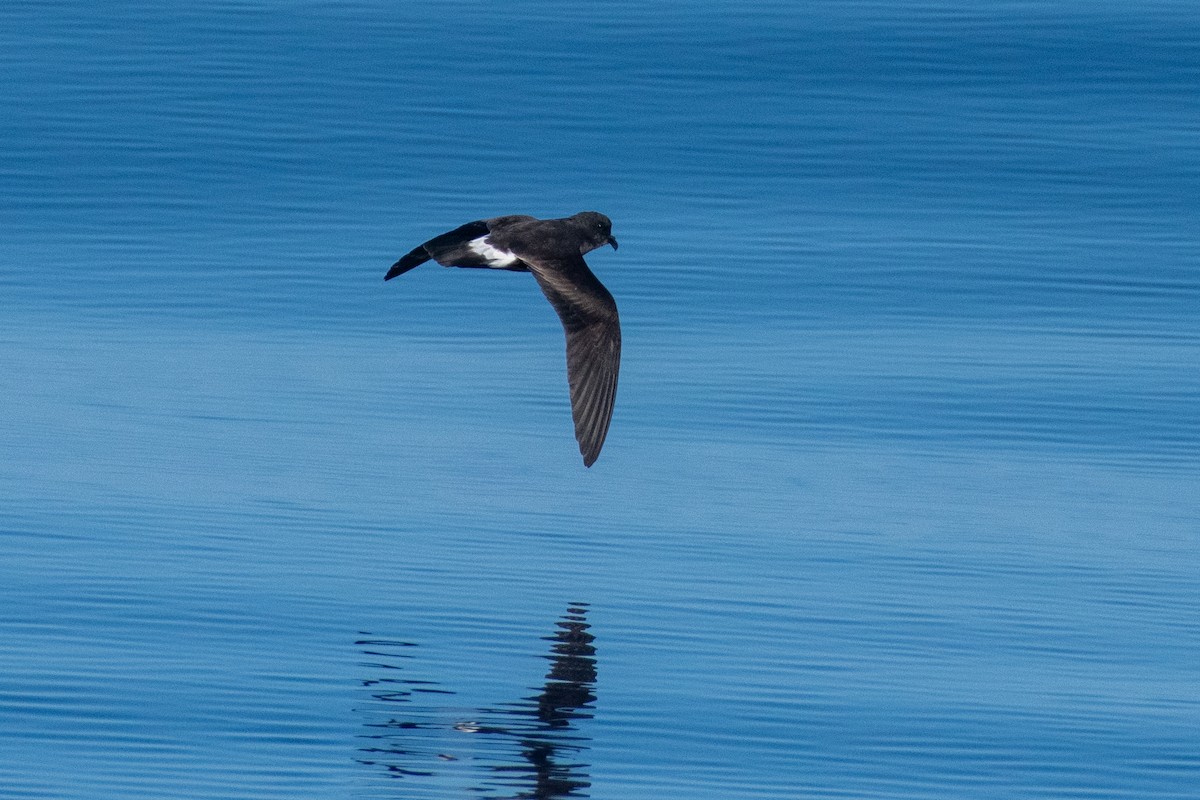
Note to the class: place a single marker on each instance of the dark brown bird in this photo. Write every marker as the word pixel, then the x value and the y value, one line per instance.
pixel 553 250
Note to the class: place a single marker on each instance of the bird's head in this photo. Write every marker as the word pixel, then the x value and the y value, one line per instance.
pixel 597 230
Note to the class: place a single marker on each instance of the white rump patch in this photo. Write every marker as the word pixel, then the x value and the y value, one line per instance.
pixel 494 256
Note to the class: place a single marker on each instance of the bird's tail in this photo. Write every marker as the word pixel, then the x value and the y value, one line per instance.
pixel 418 256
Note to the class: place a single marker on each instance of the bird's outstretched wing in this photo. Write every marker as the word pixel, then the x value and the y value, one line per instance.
pixel 461 247
pixel 589 318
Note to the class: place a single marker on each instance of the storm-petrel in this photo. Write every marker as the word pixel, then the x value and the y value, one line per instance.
pixel 552 249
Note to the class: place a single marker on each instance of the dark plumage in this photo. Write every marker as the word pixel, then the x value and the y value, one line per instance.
pixel 553 250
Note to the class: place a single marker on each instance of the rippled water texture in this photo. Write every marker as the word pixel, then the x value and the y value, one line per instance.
pixel 900 495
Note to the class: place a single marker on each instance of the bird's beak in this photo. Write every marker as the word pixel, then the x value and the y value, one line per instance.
pixel 613 242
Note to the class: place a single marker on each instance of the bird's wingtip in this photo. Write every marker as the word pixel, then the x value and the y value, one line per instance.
pixel 397 269
pixel 418 256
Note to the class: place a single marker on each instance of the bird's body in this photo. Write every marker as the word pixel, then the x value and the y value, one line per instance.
pixel 553 250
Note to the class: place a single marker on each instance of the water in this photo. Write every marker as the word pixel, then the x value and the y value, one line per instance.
pixel 900 497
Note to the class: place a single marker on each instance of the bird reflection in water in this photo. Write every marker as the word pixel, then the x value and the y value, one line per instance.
pixel 531 748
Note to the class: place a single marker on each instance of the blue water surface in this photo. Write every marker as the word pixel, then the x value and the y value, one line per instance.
pixel 902 493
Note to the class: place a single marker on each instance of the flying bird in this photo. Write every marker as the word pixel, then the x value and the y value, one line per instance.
pixel 553 250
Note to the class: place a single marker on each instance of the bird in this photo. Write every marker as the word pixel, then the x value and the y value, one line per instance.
pixel 553 250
